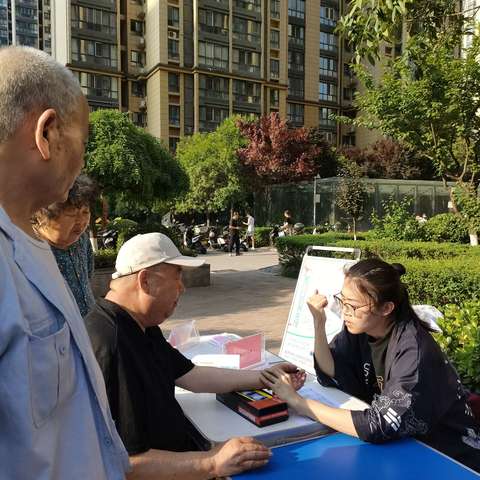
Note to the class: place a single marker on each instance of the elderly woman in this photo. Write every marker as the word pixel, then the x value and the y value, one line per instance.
pixel 63 226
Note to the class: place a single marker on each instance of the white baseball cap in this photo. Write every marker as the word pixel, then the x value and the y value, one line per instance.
pixel 147 250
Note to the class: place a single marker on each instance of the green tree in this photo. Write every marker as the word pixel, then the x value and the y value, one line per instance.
pixel 131 166
pixel 351 194
pixel 428 98
pixel 213 169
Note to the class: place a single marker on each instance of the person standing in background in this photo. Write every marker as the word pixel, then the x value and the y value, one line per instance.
pixel 234 229
pixel 250 230
pixel 63 225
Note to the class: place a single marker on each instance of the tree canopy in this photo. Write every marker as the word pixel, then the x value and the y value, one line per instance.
pixel 211 163
pixel 130 165
pixel 276 153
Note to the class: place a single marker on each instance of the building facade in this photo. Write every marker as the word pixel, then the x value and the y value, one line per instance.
pixel 183 66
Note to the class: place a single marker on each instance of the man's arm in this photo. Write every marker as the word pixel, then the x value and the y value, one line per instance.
pixel 229 458
pixel 223 380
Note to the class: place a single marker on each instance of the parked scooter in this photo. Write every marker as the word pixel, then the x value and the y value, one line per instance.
pixel 193 241
pixel 107 239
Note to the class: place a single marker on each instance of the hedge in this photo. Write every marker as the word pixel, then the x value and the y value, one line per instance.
pixel 437 273
pixel 460 340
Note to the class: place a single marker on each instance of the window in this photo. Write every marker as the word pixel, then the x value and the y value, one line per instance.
pixel 26 12
pixel 139 119
pixel 173 49
pixel 295 62
pixel 246 61
pixel 246 30
pixel 174 115
pixel 211 117
pixel 173 17
pixel 296 35
pixel 327 91
pixel 138 89
pixel 349 140
pixel 98 85
pixel 214 87
pixel 250 5
pixel 328 16
pixel 328 67
pixel 85 18
pixel 213 22
pixel 91 51
pixel 328 42
pixel 173 82
pixel 136 27
pixel 295 113
pixel 296 87
pixel 246 92
pixel 274 69
pixel 325 115
pixel 274 98
pixel 274 39
pixel 348 94
pixel 275 8
pixel 213 55
pixel 137 58
pixel 172 143
pixel 296 8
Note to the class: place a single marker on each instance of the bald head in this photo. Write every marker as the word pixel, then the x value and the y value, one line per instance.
pixel 32 81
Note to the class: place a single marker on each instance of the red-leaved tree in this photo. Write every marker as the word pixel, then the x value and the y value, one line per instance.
pixel 279 154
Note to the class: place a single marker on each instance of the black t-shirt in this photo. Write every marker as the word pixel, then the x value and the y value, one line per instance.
pixel 234 223
pixel 140 369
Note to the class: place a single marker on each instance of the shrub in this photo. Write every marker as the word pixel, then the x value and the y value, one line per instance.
pixel 397 222
pixel 262 236
pixel 460 340
pixel 447 227
pixel 125 228
pixel 105 258
pixel 432 268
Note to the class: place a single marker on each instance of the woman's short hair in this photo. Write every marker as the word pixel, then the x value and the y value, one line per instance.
pixel 83 193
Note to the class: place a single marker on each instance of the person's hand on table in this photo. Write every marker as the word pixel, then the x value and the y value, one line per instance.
pixel 282 384
pixel 239 454
pixel 297 376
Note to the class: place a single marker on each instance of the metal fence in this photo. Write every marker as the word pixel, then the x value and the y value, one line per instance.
pixel 429 198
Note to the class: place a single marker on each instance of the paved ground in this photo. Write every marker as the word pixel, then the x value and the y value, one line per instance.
pixel 245 296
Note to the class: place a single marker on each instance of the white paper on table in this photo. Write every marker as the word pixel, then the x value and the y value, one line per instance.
pixel 312 394
pixel 217 360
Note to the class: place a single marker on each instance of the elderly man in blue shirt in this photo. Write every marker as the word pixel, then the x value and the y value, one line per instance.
pixel 55 422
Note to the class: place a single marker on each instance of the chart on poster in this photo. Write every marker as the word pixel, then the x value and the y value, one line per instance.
pixel 324 275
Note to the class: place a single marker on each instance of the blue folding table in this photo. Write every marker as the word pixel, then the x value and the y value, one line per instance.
pixel 341 457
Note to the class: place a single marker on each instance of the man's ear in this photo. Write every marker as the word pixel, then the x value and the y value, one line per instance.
pixel 45 130
pixel 143 281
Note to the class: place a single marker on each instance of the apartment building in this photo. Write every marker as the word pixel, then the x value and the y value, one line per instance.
pixel 26 22
pixel 183 66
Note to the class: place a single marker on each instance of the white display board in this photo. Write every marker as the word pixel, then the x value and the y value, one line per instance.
pixel 316 273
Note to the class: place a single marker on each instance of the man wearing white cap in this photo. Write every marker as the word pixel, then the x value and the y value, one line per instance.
pixel 141 369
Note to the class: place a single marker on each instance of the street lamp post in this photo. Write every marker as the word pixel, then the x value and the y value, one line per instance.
pixel 316 199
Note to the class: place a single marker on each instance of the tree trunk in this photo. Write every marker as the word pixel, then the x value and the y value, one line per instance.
pixel 105 209
pixel 473 238
pixel 354 229
pixel 208 218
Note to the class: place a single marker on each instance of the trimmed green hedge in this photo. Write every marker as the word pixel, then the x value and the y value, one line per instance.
pixel 437 273
pixel 460 340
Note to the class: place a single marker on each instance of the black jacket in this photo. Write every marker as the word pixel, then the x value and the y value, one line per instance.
pixel 422 395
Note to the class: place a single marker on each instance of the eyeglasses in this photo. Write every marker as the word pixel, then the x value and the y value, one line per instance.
pixel 347 308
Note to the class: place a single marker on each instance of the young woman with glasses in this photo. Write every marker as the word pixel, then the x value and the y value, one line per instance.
pixel 386 356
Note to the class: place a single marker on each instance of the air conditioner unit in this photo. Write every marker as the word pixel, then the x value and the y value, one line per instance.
pixel 141 41
pixel 143 103
pixel 142 70
pixel 173 34
pixel 141 15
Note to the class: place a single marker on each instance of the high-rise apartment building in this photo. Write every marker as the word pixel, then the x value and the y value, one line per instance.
pixel 26 22
pixel 183 66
